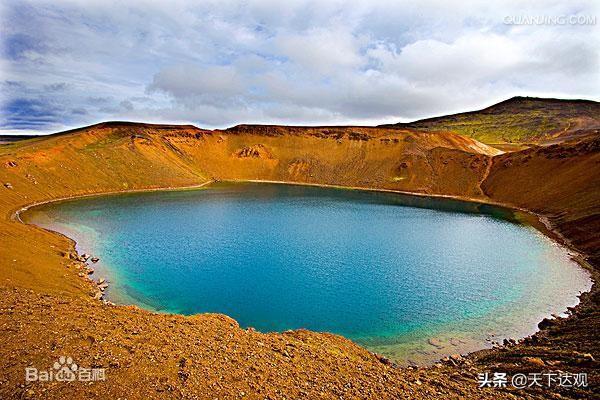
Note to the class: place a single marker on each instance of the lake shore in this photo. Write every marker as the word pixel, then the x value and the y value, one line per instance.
pixel 47 310
pixel 445 346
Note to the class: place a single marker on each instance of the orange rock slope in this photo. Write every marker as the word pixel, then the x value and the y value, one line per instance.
pixel 48 310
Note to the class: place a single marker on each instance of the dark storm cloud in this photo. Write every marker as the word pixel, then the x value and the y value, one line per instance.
pixel 29 114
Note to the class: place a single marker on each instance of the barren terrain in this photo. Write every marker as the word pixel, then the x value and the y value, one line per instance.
pixel 47 309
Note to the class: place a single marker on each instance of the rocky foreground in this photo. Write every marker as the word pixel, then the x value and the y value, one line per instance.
pixel 49 308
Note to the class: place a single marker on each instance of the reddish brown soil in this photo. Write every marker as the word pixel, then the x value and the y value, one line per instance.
pixel 47 310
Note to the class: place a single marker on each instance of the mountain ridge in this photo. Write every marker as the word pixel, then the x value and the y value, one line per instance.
pixel 517 120
pixel 520 119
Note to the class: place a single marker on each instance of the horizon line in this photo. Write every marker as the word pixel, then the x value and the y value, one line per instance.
pixel 14 133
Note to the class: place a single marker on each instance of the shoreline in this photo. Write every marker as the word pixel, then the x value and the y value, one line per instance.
pixel 540 224
pixel 15 215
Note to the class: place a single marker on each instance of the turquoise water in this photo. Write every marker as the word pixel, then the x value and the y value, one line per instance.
pixel 394 273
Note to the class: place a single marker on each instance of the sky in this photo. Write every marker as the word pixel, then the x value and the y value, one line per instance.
pixel 215 64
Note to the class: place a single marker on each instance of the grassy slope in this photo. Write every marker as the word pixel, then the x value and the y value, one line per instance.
pixel 519 120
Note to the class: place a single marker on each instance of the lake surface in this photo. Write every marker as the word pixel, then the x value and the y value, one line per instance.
pixel 412 278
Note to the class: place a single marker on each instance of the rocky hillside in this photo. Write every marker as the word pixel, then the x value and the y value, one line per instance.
pixel 526 120
pixel 42 293
pixel 561 181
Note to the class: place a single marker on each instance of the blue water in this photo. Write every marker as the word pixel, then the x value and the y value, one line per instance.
pixel 378 268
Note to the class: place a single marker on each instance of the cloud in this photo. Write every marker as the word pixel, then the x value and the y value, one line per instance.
pixel 19 45
pixel 31 114
pixel 219 63
pixel 470 58
pixel 322 51
pixel 212 83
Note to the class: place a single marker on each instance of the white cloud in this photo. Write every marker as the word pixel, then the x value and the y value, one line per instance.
pixel 218 63
pixel 186 81
pixel 322 51
pixel 470 58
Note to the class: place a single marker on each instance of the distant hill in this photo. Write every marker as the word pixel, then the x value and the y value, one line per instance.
pixel 15 138
pixel 525 120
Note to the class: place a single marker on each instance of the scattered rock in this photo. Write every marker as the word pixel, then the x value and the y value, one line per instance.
pixel 546 323
pixel 435 343
pixel 384 360
pixel 454 359
pixel 589 357
pixel 95 259
pixel 11 164
pixel 254 151
pixel 534 361
pixel 8 185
